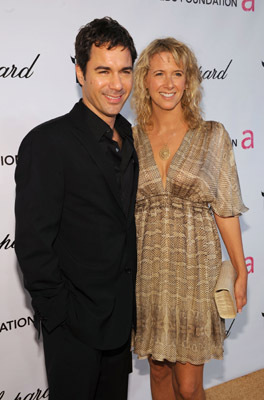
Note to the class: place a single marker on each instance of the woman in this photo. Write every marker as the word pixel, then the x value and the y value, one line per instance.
pixel 188 184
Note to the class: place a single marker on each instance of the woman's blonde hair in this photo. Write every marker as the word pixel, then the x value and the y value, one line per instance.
pixel 184 57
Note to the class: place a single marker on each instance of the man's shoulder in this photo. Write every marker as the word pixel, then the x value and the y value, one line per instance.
pixel 48 134
pixel 123 124
pixel 51 130
pixel 53 125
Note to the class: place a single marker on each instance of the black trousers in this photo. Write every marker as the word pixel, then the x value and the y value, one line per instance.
pixel 77 372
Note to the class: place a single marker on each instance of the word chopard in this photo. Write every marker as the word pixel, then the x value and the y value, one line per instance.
pixel 7 243
pixel 16 72
pixel 215 73
pixel 38 395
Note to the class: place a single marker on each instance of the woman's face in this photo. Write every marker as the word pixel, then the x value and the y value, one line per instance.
pixel 165 81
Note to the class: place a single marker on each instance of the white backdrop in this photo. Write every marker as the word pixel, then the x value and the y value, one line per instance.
pixel 37 83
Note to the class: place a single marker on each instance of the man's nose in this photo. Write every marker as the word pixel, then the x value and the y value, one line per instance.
pixel 116 82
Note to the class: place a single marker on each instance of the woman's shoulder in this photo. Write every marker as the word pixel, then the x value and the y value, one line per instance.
pixel 213 126
pixel 216 130
pixel 137 133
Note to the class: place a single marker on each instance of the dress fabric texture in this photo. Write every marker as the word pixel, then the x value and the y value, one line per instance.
pixel 179 252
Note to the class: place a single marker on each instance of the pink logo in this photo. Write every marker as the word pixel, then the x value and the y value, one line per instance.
pixel 247 142
pixel 250 264
pixel 248 5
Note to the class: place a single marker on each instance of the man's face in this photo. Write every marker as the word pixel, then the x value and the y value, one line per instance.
pixel 107 82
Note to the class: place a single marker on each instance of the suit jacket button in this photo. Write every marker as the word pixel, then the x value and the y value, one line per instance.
pixel 128 270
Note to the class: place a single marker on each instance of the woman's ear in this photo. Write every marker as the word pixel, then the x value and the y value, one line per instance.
pixel 145 82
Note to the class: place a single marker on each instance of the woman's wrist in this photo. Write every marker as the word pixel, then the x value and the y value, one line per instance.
pixel 242 274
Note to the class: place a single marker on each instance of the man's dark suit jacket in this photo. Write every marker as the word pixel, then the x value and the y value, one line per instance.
pixel 75 244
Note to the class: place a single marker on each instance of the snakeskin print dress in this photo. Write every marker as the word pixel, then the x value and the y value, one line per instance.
pixel 179 252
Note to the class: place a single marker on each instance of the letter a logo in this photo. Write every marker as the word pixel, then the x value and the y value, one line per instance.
pixel 248 5
pixel 249 139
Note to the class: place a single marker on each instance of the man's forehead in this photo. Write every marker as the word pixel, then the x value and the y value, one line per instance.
pixel 115 54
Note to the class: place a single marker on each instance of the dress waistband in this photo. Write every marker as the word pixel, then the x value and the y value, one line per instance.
pixel 160 201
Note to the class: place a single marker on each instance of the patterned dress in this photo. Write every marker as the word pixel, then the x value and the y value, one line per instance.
pixel 179 252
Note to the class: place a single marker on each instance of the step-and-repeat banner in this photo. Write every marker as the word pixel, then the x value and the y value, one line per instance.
pixel 37 83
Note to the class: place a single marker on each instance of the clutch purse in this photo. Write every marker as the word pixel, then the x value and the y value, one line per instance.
pixel 224 292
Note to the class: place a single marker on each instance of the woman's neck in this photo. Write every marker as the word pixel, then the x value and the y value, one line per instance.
pixel 167 120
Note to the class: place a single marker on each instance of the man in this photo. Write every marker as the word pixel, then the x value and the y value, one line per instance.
pixel 75 232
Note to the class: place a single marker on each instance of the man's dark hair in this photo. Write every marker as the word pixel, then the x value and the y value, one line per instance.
pixel 99 32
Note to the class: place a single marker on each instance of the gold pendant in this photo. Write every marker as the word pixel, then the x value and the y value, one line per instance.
pixel 164 152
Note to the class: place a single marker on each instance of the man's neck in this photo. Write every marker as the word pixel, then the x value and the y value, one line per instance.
pixel 109 120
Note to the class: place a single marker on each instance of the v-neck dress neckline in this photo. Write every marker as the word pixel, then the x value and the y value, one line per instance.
pixel 176 157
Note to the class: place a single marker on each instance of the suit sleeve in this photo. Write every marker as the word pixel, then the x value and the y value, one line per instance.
pixel 38 208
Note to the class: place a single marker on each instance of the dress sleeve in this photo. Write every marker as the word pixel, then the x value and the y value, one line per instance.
pixel 228 201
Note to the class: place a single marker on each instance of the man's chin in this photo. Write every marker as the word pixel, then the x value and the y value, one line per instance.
pixel 113 111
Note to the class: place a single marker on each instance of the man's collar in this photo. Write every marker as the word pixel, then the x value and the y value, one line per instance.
pixel 99 127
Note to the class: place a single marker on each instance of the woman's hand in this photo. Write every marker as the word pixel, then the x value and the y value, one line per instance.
pixel 241 291
pixel 230 231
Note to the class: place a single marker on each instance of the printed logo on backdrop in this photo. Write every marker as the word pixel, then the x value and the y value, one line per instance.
pixel 15 71
pixel 7 243
pixel 250 265
pixel 8 160
pixel 215 73
pixel 247 5
pixel 246 141
pixel 73 60
pixel 13 324
pixel 37 395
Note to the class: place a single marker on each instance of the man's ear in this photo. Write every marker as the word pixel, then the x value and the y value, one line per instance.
pixel 79 74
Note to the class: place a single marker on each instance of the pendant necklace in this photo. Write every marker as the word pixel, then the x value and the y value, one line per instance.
pixel 164 153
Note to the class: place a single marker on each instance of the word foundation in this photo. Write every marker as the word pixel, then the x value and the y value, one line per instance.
pixel 226 3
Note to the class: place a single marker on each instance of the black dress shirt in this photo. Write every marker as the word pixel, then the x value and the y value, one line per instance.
pixel 121 159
